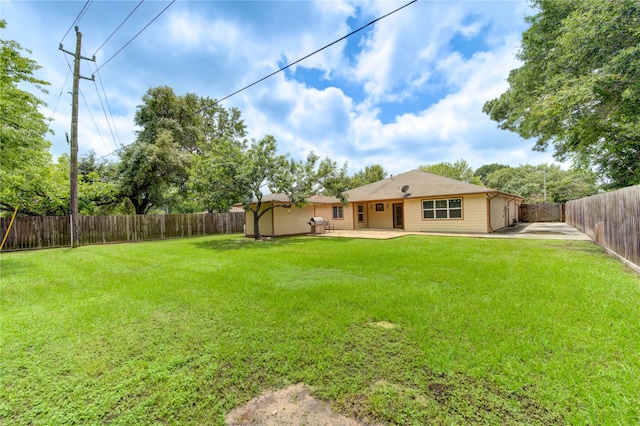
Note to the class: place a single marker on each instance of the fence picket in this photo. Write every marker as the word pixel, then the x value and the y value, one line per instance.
pixel 53 231
pixel 612 219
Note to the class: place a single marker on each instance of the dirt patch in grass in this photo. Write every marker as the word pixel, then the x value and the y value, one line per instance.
pixel 293 405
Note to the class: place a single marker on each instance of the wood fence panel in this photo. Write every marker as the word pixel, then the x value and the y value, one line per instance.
pixel 612 219
pixel 53 231
pixel 549 212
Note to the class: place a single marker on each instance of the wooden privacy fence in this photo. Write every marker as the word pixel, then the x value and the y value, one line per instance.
pixel 54 231
pixel 612 219
pixel 550 212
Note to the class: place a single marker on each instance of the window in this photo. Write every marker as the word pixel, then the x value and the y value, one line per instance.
pixel 379 207
pixel 337 212
pixel 442 209
pixel 360 213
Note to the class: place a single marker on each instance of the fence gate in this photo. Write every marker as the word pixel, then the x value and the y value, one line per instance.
pixel 553 212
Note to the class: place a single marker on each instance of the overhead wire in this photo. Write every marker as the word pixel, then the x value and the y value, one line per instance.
pixel 116 136
pixel 135 36
pixel 119 26
pixel 93 119
pixel 106 116
pixel 313 53
pixel 285 67
pixel 78 18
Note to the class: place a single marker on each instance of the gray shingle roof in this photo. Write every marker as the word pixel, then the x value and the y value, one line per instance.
pixel 421 184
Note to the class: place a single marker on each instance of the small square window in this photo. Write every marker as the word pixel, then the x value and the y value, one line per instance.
pixel 337 212
pixel 379 207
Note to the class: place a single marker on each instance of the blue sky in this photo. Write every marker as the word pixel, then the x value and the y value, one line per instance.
pixel 404 92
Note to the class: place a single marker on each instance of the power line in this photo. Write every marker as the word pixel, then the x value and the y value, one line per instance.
pixel 116 30
pixel 140 32
pixel 111 129
pixel 285 67
pixel 93 119
pixel 55 108
pixel 313 53
pixel 75 21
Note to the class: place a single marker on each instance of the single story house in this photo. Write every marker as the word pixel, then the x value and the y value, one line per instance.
pixel 414 201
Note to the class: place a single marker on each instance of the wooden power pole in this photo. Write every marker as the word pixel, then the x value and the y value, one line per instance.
pixel 73 172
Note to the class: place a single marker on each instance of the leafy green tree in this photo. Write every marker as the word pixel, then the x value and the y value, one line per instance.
pixel 579 86
pixel 460 170
pixel 154 172
pixel 98 191
pixel 234 172
pixel 24 150
pixel 368 175
pixel 544 183
pixel 148 170
pixel 483 171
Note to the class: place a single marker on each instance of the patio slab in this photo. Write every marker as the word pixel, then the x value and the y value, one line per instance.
pixel 540 230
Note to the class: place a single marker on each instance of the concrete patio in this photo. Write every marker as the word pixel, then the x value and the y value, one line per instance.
pixel 539 230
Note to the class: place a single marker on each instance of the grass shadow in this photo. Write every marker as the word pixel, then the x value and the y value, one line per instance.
pixel 249 243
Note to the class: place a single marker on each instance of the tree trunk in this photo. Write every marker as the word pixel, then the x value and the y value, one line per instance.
pixel 256 225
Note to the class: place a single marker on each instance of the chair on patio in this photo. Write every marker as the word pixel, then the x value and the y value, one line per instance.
pixel 328 226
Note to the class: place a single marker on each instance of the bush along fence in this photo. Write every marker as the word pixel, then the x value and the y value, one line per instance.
pixel 54 231
pixel 612 219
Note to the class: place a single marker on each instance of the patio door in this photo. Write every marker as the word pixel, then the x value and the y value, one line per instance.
pixel 398 216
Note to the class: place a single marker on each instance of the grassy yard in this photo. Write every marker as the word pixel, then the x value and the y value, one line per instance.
pixel 182 331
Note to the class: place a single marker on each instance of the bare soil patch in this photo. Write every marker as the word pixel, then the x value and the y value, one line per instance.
pixel 291 406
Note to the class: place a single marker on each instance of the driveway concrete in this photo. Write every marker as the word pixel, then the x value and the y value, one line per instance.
pixel 539 230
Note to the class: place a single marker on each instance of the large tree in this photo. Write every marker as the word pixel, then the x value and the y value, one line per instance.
pixel 175 130
pixel 368 175
pixel 579 86
pixel 24 149
pixel 460 170
pixel 234 172
pixel 544 183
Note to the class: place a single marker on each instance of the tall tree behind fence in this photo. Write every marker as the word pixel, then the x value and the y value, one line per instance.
pixel 612 219
pixel 53 231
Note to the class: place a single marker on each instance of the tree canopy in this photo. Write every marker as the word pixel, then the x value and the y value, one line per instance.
pixel 579 86
pixel 460 170
pixel 175 131
pixel 543 183
pixel 368 175
pixel 24 150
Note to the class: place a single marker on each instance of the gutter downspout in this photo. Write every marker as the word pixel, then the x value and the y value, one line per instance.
pixel 489 198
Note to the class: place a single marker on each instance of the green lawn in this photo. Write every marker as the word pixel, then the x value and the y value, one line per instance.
pixel 488 331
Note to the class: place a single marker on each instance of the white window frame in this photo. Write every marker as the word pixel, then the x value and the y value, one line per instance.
pixel 442 209
pixel 337 212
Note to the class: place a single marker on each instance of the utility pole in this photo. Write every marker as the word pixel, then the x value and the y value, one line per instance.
pixel 73 169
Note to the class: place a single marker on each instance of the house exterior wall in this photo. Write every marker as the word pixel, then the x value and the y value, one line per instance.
pixel 474 216
pixel 326 211
pixel 365 214
pixel 292 221
pixel 503 210
pixel 497 206
pixel 266 223
pixel 380 219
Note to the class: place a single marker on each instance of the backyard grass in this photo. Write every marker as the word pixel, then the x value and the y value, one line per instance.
pixel 487 331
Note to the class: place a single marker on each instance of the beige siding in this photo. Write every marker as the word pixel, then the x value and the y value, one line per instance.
pixel 503 211
pixel 474 217
pixel 365 211
pixel 266 223
pixel 381 219
pixel 326 211
pixel 292 221
pixel 497 206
